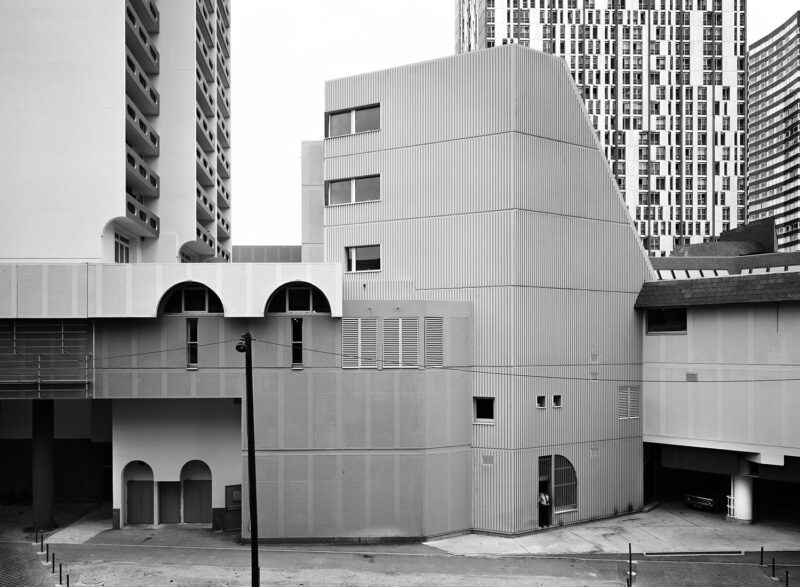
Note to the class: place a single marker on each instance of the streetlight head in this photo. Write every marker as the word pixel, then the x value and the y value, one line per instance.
pixel 241 346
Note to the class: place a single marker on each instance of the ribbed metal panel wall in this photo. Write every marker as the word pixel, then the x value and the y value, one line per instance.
pixel 494 191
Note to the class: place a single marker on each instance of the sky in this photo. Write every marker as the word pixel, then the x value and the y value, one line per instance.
pixel 283 51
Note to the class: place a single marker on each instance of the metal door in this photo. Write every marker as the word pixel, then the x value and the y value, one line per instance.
pixel 197 501
pixel 169 502
pixel 140 502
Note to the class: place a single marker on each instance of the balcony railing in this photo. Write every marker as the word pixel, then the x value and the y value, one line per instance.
pixel 139 87
pixel 139 176
pixel 222 40
pixel 138 131
pixel 223 101
pixel 223 253
pixel 205 135
pixel 223 226
pixel 141 220
pixel 223 164
pixel 223 72
pixel 224 13
pixel 203 16
pixel 204 57
pixel 205 207
pixel 223 194
pixel 148 13
pixel 205 241
pixel 139 42
pixel 205 171
pixel 205 98
pixel 223 132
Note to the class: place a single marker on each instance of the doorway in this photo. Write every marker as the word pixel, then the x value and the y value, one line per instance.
pixel 169 502
pixel 545 495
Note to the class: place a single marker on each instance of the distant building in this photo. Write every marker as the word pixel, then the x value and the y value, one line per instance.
pixel 773 182
pixel 663 84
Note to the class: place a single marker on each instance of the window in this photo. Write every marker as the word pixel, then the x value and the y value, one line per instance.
pixel 191 343
pixel 628 402
pixel 122 249
pixel 666 320
pixel 359 343
pixel 298 298
pixel 192 299
pixel 297 343
pixel 557 401
pixel 363 258
pixel 483 409
pixel 434 341
pixel 565 485
pixel 356 120
pixel 400 342
pixel 541 402
pixel 353 190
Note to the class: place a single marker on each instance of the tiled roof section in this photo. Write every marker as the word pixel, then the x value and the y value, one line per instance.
pixel 718 249
pixel 730 264
pixel 744 289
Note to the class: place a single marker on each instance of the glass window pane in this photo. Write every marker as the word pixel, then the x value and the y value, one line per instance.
pixel 320 302
pixel 173 303
pixel 299 299
pixel 278 302
pixel 339 192
pixel 368 188
pixel 368 258
pixel 338 124
pixel 194 300
pixel 214 303
pixel 368 119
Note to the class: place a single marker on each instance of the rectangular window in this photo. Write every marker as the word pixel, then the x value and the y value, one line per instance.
pixel 122 249
pixel 191 343
pixel 557 401
pixel 297 343
pixel 483 409
pixel 352 190
pixel 541 402
pixel 363 258
pixel 400 342
pixel 628 402
pixel 359 343
pixel 666 320
pixel 434 341
pixel 354 120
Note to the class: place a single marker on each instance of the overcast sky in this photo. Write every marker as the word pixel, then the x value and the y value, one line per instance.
pixel 282 53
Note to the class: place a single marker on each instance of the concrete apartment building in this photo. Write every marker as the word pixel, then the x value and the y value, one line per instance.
pixel 773 180
pixel 664 85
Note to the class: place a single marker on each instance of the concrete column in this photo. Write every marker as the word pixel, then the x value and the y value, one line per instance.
pixel 43 465
pixel 743 498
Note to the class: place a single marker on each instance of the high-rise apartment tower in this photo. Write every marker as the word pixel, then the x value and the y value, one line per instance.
pixel 664 85
pixel 115 116
pixel 773 133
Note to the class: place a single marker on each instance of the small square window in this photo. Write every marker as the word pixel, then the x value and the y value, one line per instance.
pixel 557 401
pixel 484 409
pixel 364 258
pixel 541 402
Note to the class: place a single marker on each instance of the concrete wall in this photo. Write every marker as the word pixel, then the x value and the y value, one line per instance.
pixel 736 352
pixel 166 434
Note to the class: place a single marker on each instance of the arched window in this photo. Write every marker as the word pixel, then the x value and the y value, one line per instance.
pixel 191 298
pixel 298 298
pixel 565 485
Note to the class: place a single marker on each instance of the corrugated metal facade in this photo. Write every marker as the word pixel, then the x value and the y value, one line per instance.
pixel 494 191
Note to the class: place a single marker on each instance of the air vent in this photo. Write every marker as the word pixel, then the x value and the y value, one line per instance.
pixel 487 460
pixel 691 377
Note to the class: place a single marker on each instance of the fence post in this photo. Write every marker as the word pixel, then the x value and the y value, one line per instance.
pixel 53 569
pixel 630 562
pixel 47 555
pixel 773 567
pixel 60 581
pixel 762 557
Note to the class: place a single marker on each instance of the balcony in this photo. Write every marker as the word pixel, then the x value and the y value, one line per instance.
pixel 205 98
pixel 138 132
pixel 140 220
pixel 222 99
pixel 205 171
pixel 223 72
pixel 203 16
pixel 223 12
pixel 223 227
pixel 138 175
pixel 222 41
pixel 223 164
pixel 223 194
pixel 203 53
pixel 205 207
pixel 223 132
pixel 223 253
pixel 148 14
pixel 205 241
pixel 205 136
pixel 139 42
pixel 139 87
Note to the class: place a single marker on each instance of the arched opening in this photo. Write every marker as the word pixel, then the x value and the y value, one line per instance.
pixel 137 482
pixel 299 298
pixel 190 298
pixel 565 485
pixel 196 488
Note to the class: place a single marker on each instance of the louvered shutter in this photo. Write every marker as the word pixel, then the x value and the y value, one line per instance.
pixel 409 342
pixel 434 341
pixel 369 342
pixel 391 342
pixel 622 403
pixel 350 350
pixel 634 401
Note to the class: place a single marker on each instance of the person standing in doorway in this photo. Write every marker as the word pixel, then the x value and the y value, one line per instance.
pixel 544 509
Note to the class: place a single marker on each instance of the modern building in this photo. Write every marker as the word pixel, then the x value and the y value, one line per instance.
pixel 773 159
pixel 664 86
pixel 116 126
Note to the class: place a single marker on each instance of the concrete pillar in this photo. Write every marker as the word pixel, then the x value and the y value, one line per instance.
pixel 743 498
pixel 43 465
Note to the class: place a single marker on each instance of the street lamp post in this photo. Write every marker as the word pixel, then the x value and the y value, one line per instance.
pixel 245 346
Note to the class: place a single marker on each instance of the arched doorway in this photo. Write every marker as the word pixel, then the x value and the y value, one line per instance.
pixel 196 484
pixel 137 479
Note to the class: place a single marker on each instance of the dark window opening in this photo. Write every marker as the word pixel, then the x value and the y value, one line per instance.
pixel 191 342
pixel 297 342
pixel 192 299
pixel 484 408
pixel 298 298
pixel 666 320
